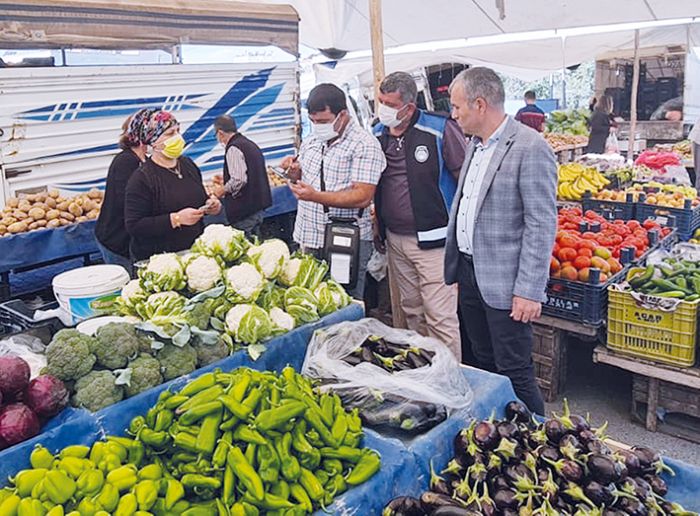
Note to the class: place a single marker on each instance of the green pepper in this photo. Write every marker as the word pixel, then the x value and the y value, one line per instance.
pixel 327 406
pixel 173 402
pixel 311 460
pixel 314 438
pixel 250 453
pixel 340 426
pixel 135 451
pixel 136 424
pixel 238 409
pixel 343 453
pixel 332 466
pixel 41 458
pixel 97 452
pixel 246 434
pixel 317 424
pixel 289 464
pixel 116 449
pixel 196 413
pixel 338 485
pixel 268 463
pixel 205 396
pixel 56 511
pixel 200 481
pixel 108 497
pixel 27 479
pixel 237 509
pixel 9 505
pixel 150 472
pixel 354 421
pixel 269 501
pixel 73 466
pixel 250 509
pixel 281 489
pixel 240 388
pixel 127 505
pixel 221 450
pixel 174 493
pixel 91 481
pixel 5 493
pixel 185 441
pixel 88 507
pixel 227 491
pixel 146 493
pixel 245 472
pixel 123 478
pixel 302 497
pixel 163 420
pixel 203 382
pixel 275 417
pixel 151 416
pixel 78 451
pixel 109 463
pixel 209 433
pixel 311 484
pixel 367 466
pixel 59 487
pixel 29 507
pixel 322 476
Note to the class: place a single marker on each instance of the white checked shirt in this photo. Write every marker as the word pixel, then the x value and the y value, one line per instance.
pixel 355 157
pixel 466 213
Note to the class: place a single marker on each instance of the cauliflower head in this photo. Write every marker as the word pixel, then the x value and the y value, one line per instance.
pixel 290 271
pixel 244 283
pixel 203 273
pixel 270 257
pixel 301 304
pixel 177 361
pixel 115 344
pixel 248 324
pixel 281 319
pixel 163 309
pixel 145 374
pixel 68 356
pixel 163 272
pixel 132 294
pixel 222 241
pixel 330 296
pixel 97 390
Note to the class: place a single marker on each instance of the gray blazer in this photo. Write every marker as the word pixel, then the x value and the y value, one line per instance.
pixel 516 219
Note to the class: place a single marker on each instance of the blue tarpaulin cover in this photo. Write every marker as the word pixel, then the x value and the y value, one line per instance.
pixel 45 245
pixel 283 201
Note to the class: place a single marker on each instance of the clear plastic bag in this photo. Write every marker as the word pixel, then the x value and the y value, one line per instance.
pixel 377 265
pixel 411 401
pixel 27 347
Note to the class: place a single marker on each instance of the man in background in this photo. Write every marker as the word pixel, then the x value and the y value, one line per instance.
pixel 531 115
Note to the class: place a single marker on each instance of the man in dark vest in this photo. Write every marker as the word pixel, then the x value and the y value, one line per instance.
pixel 424 154
pixel 244 187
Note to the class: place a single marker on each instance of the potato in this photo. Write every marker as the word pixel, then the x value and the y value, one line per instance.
pixel 3 229
pixel 95 194
pixel 7 220
pixel 24 206
pixel 54 194
pixel 78 200
pixel 19 214
pixel 82 218
pixel 67 216
pixel 40 205
pixel 17 227
pixel 50 202
pixel 31 198
pixel 65 222
pixel 37 213
pixel 34 225
pixel 89 205
pixel 52 214
pixel 62 206
pixel 92 215
pixel 13 202
pixel 53 223
pixel 75 209
pixel 41 197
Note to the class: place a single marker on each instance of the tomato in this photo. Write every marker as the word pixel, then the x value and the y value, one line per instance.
pixel 582 262
pixel 650 224
pixel 555 249
pixel 616 239
pixel 633 224
pixel 665 231
pixel 621 230
pixel 589 235
pixel 554 265
pixel 585 251
pixel 568 241
pixel 588 244
pixel 567 254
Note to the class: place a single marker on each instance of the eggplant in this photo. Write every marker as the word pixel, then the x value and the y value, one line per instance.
pixel 642 488
pixel 633 507
pixel 554 430
pixel 549 453
pixel 499 482
pixel 658 485
pixel 509 512
pixel 567 469
pixel 517 412
pixel 353 359
pixel 368 356
pixel 486 435
pixel 599 494
pixel 453 511
pixel 505 499
pixel 401 365
pixel 404 506
pixel 426 355
pixel 631 461
pixel 586 436
pixel 597 447
pixel 650 461
pixel 603 469
pixel 580 423
pixel 542 475
pixel 430 501
pixel 508 430
pixel 416 360
pixel 570 440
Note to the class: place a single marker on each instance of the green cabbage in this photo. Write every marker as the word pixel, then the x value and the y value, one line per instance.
pixel 300 303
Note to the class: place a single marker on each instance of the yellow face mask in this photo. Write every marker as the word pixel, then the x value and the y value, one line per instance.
pixel 173 146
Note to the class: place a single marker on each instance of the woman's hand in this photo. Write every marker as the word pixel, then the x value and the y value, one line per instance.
pixel 213 206
pixel 186 217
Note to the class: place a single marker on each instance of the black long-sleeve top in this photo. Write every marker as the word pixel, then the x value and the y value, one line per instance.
pixel 153 193
pixel 110 229
pixel 600 130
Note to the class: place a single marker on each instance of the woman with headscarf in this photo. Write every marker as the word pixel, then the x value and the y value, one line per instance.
pixel 165 198
pixel 111 234
pixel 600 125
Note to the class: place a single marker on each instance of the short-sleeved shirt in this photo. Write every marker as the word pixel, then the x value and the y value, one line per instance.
pixel 355 157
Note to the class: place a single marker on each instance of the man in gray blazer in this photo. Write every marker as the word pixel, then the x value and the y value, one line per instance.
pixel 501 230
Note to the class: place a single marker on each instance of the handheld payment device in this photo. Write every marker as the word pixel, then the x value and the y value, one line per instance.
pixel 342 250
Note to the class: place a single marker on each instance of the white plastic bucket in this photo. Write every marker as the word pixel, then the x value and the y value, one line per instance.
pixel 89 291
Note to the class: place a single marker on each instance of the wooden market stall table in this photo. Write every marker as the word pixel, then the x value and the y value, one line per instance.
pixel 674 388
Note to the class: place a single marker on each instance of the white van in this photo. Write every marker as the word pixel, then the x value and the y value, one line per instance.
pixel 59 126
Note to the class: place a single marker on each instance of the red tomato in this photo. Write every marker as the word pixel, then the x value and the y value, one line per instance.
pixel 588 244
pixel 616 239
pixel 633 224
pixel 582 262
pixel 589 235
pixel 567 254
pixel 585 251
pixel 568 241
pixel 554 265
pixel 555 249
pixel 650 224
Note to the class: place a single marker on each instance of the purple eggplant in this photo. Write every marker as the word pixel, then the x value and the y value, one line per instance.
pixel 599 494
pixel 650 461
pixel 554 430
pixel 597 447
pixel 453 511
pixel 549 453
pixel 499 482
pixel 404 506
pixel 517 412
pixel 567 469
pixel 437 483
pixel 657 484
pixel 505 499
pixel 633 507
pixel 603 469
pixel 486 435
pixel 431 501
pixel 508 430
pixel 631 461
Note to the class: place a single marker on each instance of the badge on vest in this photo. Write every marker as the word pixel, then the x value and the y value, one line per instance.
pixel 421 154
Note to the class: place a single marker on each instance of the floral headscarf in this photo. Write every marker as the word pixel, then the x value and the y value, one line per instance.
pixel 155 125
pixel 133 129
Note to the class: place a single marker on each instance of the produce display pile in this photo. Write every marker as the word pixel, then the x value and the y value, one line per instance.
pixel 562 466
pixel 655 193
pixel 670 278
pixel 231 290
pixel 600 247
pixel 559 142
pixel 574 122
pixel 389 356
pixel 25 405
pixel 613 166
pixel 30 212
pixel 657 160
pixel 239 443
pixel 576 179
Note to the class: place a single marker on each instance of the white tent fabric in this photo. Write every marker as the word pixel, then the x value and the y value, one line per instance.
pixel 344 24
pixel 528 60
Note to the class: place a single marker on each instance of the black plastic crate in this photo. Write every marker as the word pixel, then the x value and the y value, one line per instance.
pixel 685 220
pixel 579 302
pixel 611 210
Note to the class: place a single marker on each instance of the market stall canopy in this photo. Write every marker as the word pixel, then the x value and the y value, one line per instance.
pixel 344 24
pixel 528 60
pixel 134 24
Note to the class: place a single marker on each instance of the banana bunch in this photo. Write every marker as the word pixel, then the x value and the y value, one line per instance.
pixel 576 179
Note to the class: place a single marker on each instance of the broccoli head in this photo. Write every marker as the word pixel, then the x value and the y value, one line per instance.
pixel 69 355
pixel 200 314
pixel 177 361
pixel 97 390
pixel 115 344
pixel 145 374
pixel 209 353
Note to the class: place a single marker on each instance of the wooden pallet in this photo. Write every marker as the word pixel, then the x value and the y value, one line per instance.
pixel 549 357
